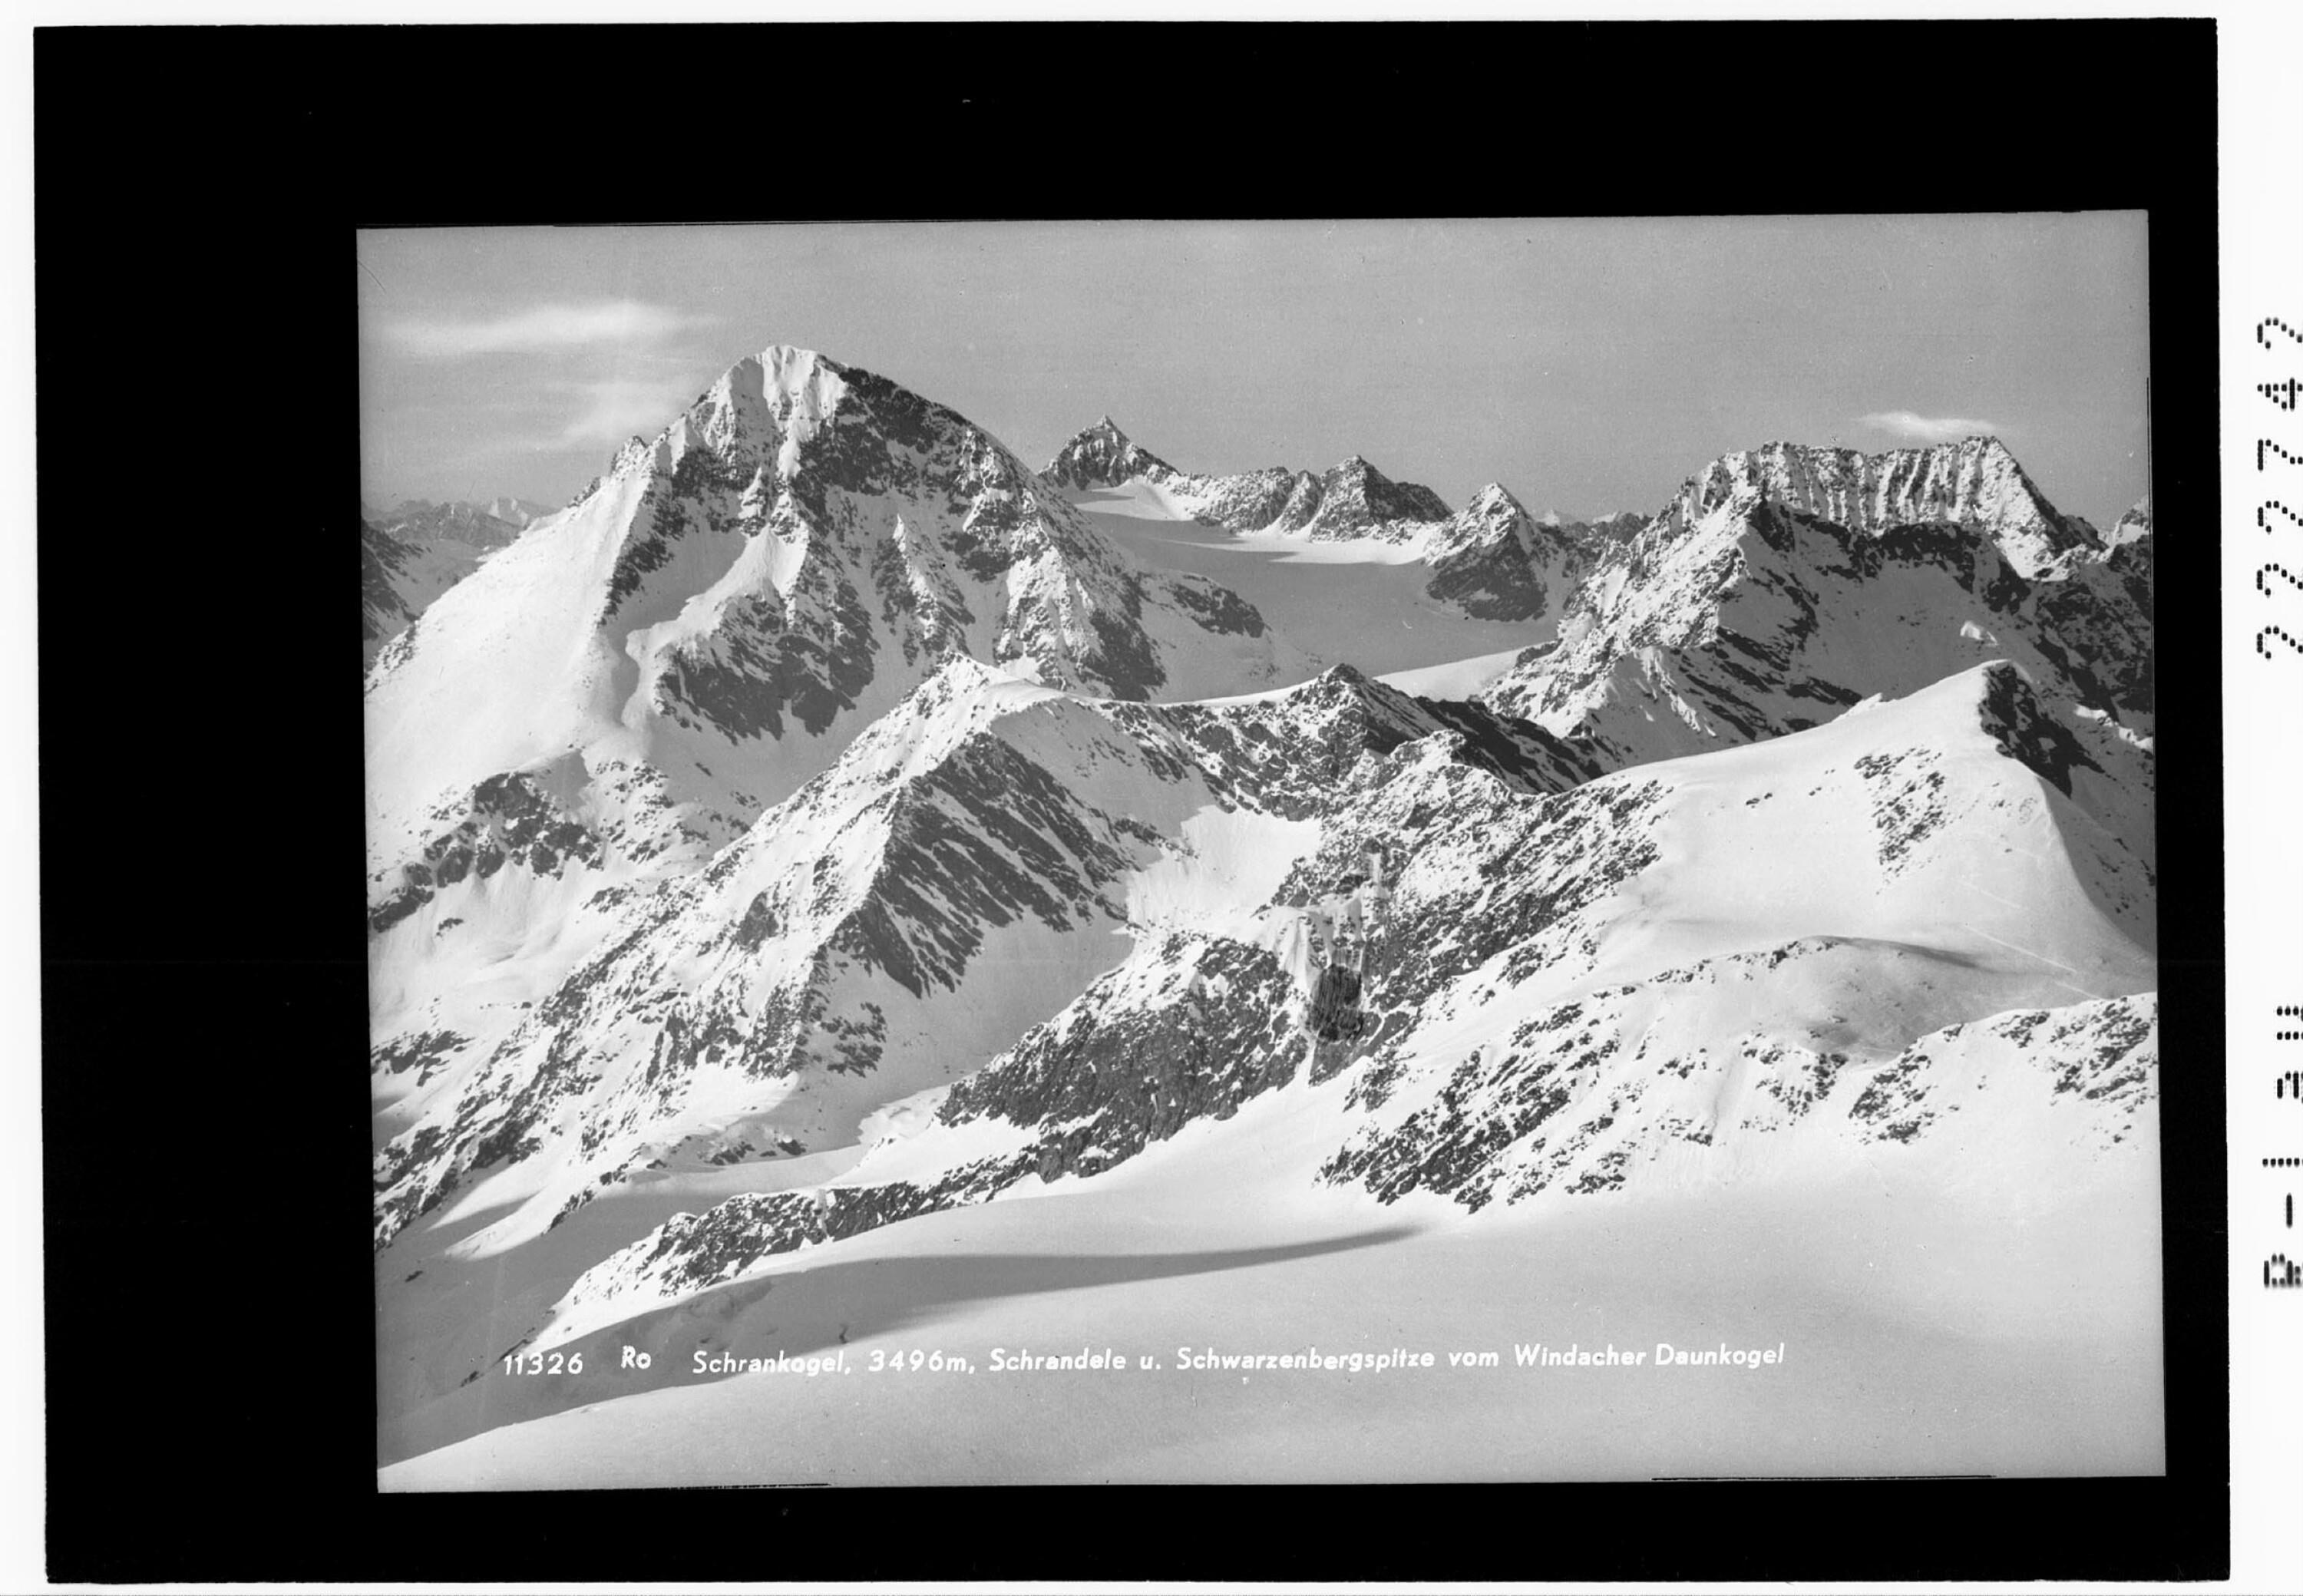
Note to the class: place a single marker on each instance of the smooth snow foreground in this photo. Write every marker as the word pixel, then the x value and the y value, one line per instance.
pixel 1922 1332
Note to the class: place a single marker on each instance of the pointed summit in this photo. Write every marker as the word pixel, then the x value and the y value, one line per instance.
pixel 1497 500
pixel 2133 526
pixel 1495 561
pixel 1101 456
pixel 1355 500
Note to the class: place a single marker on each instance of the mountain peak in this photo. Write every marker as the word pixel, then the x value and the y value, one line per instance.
pixel 1101 455
pixel 1972 482
pixel 634 450
pixel 769 410
pixel 1355 498
pixel 1103 431
pixel 790 363
pixel 2132 525
pixel 797 385
pixel 1495 498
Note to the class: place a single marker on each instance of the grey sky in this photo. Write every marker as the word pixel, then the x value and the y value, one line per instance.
pixel 1586 364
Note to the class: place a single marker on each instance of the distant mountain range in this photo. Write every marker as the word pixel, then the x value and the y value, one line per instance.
pixel 1493 559
pixel 413 553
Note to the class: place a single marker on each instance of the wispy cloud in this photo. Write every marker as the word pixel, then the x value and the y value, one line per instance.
pixel 614 409
pixel 1916 429
pixel 544 327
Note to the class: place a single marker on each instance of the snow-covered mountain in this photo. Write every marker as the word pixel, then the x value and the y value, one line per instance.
pixel 1353 499
pixel 1102 457
pixel 1736 615
pixel 1496 562
pixel 1611 987
pixel 1350 500
pixel 823 826
pixel 1491 561
pixel 960 873
pixel 458 521
pixel 713 620
pixel 1972 483
pixel 2135 523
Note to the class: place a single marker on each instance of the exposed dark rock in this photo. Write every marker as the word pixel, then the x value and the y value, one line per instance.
pixel 2026 733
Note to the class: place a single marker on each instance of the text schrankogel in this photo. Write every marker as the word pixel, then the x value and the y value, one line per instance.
pixel 1205 1359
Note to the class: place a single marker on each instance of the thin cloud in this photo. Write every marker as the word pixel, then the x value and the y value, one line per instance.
pixel 1916 429
pixel 615 409
pixel 543 328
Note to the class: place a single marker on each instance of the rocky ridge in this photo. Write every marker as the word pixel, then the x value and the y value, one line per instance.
pixel 1523 1047
pixel 841 954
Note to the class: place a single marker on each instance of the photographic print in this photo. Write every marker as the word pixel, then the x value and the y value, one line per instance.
pixel 1261 851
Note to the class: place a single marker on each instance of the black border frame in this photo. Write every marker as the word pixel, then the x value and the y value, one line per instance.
pixel 210 1394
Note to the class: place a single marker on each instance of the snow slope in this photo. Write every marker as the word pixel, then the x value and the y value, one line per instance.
pixel 400 576
pixel 1925 1327
pixel 416 551
pixel 1363 604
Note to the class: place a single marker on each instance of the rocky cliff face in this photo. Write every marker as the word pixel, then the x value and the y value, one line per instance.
pixel 1102 456
pixel 384 609
pixel 959 872
pixel 1496 562
pixel 1355 500
pixel 1973 483
pixel 1735 616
